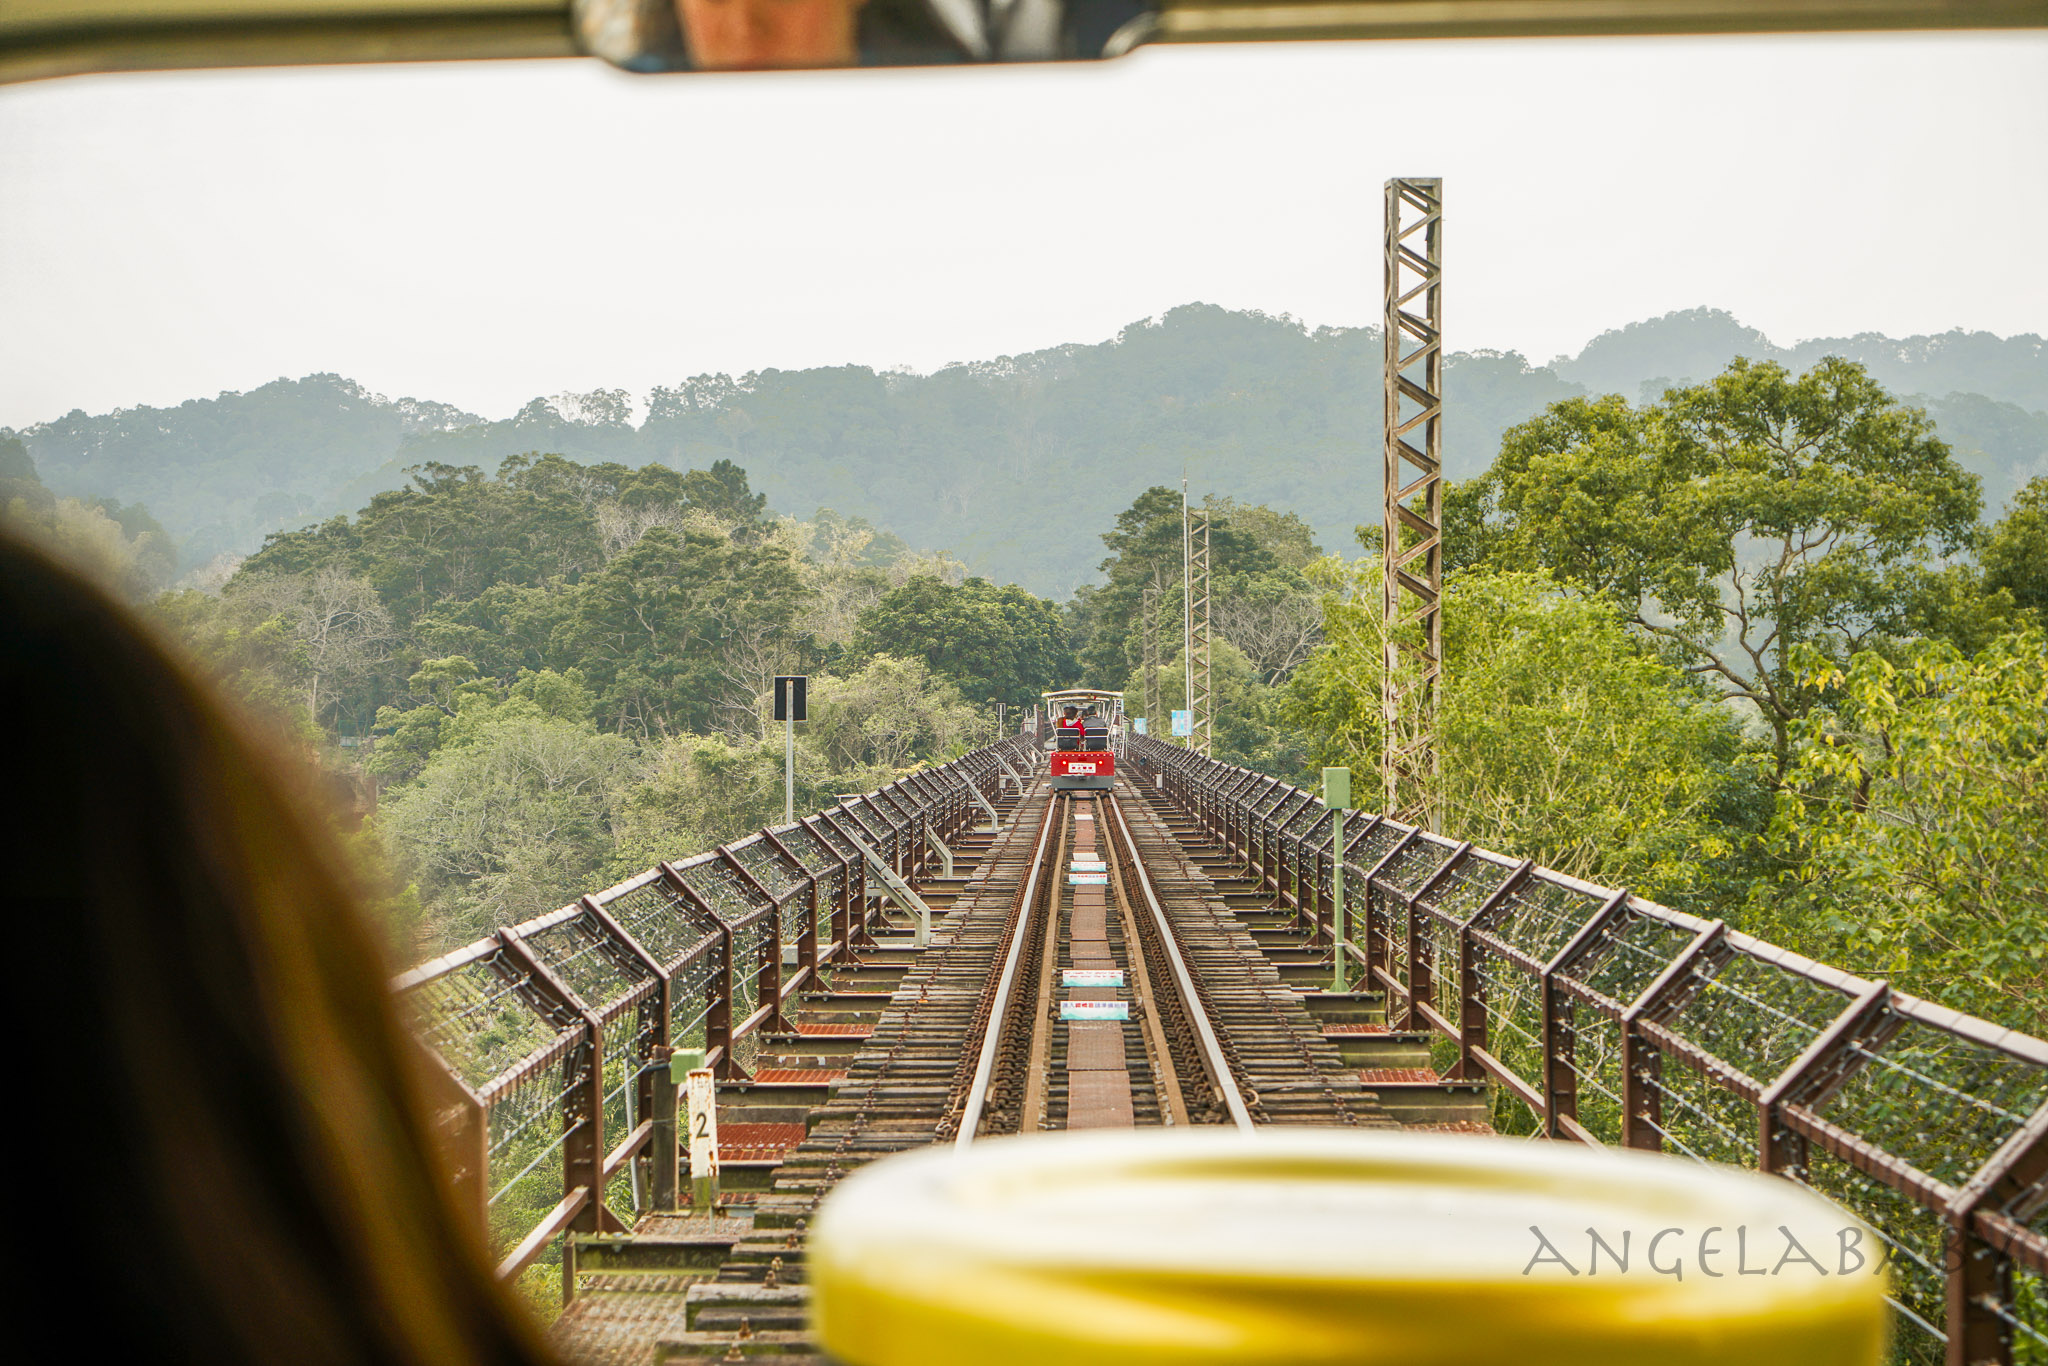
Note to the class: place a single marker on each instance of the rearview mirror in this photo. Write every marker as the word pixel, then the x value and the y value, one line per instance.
pixel 44 38
pixel 766 35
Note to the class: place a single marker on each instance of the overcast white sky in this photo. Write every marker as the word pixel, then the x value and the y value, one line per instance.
pixel 483 233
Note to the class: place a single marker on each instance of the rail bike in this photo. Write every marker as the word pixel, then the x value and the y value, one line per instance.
pixel 1082 757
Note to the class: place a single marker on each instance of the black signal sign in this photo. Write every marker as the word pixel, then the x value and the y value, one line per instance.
pixel 792 697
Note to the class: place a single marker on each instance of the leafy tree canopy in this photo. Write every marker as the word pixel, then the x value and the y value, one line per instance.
pixel 1740 519
pixel 995 644
pixel 1147 552
pixel 1913 829
pixel 2016 555
pixel 1562 738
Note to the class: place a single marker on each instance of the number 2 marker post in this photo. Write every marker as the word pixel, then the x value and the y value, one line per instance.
pixel 702 1089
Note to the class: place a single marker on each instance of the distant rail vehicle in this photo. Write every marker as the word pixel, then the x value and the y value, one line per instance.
pixel 1082 748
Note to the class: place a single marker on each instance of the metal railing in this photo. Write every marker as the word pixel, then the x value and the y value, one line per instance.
pixel 1609 1019
pixel 548 1035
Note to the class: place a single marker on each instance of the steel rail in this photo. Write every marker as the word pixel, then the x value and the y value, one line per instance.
pixel 1213 1059
pixel 992 1030
pixel 1038 1063
pixel 1166 1077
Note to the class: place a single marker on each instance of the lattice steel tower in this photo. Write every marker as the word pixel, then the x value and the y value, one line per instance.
pixel 1149 597
pixel 1412 544
pixel 1201 690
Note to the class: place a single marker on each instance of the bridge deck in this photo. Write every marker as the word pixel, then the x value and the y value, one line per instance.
pixel 700 1285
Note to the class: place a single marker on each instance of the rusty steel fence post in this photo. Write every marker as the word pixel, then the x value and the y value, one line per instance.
pixel 843 903
pixel 1422 1011
pixel 1326 895
pixel 1559 1024
pixel 1233 817
pixel 1272 843
pixel 768 971
pixel 807 938
pixel 643 1082
pixel 667 1174
pixel 1985 1242
pixel 856 934
pixel 583 1149
pixel 1379 952
pixel 718 1019
pixel 1474 1040
pixel 1826 1064
pixel 852 899
pixel 1642 1064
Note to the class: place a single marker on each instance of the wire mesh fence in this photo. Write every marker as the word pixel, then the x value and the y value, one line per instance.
pixel 1604 1018
pixel 549 1032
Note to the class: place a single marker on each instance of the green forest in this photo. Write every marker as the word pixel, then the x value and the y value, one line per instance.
pixel 1757 645
pixel 1250 406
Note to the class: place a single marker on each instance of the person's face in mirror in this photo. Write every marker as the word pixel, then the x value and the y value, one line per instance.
pixel 760 35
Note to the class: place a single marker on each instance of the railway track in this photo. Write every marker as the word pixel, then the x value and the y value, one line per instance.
pixel 1128 1000
pixel 1087 975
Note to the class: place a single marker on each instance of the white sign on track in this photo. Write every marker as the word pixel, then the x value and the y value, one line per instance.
pixel 1095 1010
pixel 702 1090
pixel 1091 977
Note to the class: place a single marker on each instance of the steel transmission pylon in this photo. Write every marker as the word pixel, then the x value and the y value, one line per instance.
pixel 1201 680
pixel 1149 596
pixel 1412 541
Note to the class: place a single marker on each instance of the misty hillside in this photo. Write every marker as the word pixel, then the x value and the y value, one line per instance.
pixel 1016 463
pixel 222 473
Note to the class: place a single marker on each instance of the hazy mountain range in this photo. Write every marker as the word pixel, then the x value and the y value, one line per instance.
pixel 1016 464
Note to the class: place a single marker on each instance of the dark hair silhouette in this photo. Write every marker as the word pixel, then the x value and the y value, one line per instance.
pixel 237 1159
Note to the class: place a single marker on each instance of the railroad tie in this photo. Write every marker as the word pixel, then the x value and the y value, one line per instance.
pixel 1098 1082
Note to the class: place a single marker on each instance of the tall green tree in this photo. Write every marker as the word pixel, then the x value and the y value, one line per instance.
pixel 453 533
pixel 889 715
pixel 2016 553
pixel 1741 519
pixel 1562 737
pixel 993 643
pixel 511 820
pixel 1246 728
pixel 22 495
pixel 1913 828
pixel 1146 551
pixel 654 627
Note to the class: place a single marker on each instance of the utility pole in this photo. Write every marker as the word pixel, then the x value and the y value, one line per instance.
pixel 1412 566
